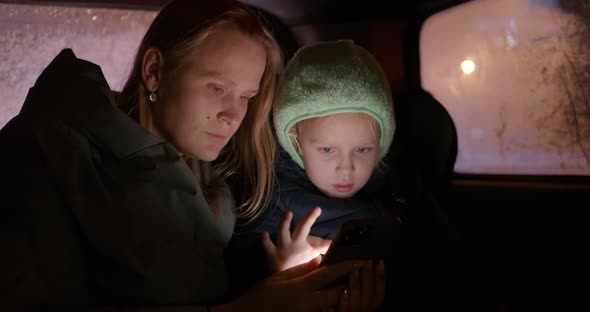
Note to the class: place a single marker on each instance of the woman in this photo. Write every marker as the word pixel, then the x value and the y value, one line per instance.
pixel 116 208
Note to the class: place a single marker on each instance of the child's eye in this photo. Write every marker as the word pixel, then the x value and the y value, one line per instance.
pixel 217 89
pixel 326 150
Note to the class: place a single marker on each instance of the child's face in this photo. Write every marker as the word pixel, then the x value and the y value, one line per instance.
pixel 339 152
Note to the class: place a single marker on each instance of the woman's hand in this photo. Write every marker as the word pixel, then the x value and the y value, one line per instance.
pixel 297 248
pixel 366 288
pixel 301 288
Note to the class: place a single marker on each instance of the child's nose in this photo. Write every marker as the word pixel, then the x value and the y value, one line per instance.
pixel 345 165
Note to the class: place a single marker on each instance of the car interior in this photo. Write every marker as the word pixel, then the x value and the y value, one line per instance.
pixel 492 104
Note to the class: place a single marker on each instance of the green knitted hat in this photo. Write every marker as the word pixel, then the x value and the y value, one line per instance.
pixel 329 78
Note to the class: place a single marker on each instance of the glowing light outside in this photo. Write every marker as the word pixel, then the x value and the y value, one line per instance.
pixel 467 66
pixel 513 118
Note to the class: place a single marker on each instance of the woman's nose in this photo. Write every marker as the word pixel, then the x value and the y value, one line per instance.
pixel 232 111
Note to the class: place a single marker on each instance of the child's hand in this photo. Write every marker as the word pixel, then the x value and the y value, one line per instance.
pixel 297 248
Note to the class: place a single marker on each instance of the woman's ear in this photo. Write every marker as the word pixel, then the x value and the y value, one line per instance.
pixel 151 68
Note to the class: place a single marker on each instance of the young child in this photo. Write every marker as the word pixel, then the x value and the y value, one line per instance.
pixel 333 117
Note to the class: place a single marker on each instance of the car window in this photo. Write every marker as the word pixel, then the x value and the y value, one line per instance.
pixel 31 35
pixel 515 77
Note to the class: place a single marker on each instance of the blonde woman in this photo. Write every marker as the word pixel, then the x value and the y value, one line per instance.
pixel 116 207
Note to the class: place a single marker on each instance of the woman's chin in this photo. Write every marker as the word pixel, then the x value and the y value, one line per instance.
pixel 203 153
pixel 209 154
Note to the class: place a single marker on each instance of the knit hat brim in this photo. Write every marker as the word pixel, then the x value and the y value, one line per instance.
pixel 330 78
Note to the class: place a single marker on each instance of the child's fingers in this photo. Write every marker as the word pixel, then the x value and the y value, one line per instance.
pixel 299 270
pixel 269 246
pixel 284 233
pixel 303 228
pixel 318 244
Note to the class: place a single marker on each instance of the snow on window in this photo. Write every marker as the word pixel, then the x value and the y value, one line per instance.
pixel 32 35
pixel 515 77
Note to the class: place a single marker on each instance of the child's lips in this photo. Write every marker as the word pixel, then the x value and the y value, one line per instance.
pixel 343 187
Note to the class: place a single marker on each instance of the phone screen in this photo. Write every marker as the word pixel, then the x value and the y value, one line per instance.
pixel 364 239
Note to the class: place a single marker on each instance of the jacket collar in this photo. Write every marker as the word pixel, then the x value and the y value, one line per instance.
pixel 287 168
pixel 75 91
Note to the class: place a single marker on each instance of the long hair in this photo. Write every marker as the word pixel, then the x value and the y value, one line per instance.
pixel 181 27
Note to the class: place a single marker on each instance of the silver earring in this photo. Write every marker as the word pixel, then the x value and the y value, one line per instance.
pixel 153 97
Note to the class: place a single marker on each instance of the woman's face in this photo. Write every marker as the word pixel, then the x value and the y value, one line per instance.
pixel 204 104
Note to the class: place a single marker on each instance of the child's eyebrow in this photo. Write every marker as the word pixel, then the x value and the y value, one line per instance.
pixel 315 141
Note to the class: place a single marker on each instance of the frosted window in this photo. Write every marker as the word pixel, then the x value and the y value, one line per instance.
pixel 32 35
pixel 515 77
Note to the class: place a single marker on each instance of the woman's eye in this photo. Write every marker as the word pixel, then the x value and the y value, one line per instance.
pixel 326 150
pixel 217 89
pixel 245 99
pixel 363 149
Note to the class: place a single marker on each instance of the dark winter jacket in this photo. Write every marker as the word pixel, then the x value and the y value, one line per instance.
pixel 98 212
pixel 293 191
pixel 426 265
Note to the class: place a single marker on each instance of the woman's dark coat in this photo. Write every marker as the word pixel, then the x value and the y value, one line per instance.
pixel 95 210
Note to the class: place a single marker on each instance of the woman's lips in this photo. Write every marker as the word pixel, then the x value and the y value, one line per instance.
pixel 217 137
pixel 343 187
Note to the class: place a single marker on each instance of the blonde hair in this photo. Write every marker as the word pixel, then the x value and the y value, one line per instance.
pixel 178 30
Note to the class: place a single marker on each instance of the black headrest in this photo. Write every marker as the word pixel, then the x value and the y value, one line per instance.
pixel 426 138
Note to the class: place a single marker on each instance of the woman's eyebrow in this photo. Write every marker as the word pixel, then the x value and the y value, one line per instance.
pixel 217 75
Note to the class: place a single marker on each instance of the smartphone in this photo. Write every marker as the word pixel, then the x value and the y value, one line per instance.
pixel 364 239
